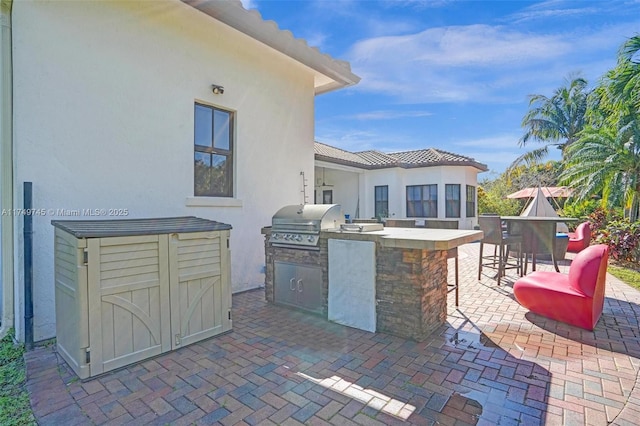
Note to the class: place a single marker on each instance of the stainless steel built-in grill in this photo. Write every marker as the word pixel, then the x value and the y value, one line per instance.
pixel 299 226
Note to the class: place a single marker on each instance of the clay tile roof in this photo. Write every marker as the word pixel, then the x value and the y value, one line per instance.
pixel 405 159
pixel 377 158
pixel 330 153
pixel 430 155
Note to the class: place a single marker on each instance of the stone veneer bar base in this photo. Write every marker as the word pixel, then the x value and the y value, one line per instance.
pixel 411 285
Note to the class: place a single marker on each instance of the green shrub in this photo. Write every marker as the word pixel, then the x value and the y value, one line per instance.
pixel 623 239
pixel 15 408
pixel 580 209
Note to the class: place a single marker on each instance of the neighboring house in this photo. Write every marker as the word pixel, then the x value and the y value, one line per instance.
pixel 427 184
pixel 110 107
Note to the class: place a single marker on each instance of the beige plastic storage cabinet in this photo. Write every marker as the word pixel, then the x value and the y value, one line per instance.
pixel 127 290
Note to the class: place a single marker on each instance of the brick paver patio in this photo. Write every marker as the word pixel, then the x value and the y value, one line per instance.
pixel 492 363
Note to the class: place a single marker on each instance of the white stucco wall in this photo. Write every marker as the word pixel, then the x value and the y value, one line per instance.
pixel 344 184
pixel 398 179
pixel 104 96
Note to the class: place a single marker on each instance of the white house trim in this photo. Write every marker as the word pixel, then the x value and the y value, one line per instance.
pixel 330 75
pixel 213 202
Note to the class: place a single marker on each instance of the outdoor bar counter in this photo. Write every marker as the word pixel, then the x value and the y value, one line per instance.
pixel 408 275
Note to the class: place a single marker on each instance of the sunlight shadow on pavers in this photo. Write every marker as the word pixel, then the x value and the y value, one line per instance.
pixel 369 397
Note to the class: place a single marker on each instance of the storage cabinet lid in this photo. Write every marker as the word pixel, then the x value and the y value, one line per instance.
pixel 125 227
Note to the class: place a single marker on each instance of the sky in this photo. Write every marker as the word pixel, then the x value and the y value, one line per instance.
pixel 447 74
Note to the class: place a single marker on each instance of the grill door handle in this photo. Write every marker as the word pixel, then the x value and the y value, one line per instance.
pixel 300 286
pixel 292 284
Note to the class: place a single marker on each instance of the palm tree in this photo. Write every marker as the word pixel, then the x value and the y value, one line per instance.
pixel 554 121
pixel 606 157
pixel 606 161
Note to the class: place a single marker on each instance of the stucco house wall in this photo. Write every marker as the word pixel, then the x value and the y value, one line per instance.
pixel 104 98
pixel 344 184
pixel 398 179
pixel 397 170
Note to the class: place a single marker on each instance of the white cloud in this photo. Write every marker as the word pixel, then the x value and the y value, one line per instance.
pixel 449 64
pixel 482 63
pixel 316 39
pixel 458 46
pixel 249 4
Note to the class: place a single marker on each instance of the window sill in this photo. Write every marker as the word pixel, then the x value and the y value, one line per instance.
pixel 213 202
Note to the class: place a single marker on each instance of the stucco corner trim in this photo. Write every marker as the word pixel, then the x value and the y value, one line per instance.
pixel 213 202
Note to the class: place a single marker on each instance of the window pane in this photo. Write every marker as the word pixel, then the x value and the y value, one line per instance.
pixel 433 192
pixel 452 200
pixel 221 124
pixel 381 201
pixel 213 139
pixel 220 179
pixel 422 201
pixel 202 172
pixel 413 193
pixel 203 126
pixel 471 201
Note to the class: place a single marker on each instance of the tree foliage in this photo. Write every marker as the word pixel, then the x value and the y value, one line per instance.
pixel 554 121
pixel 492 194
pixel 605 160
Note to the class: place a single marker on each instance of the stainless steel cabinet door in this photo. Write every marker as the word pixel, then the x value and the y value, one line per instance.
pixel 298 285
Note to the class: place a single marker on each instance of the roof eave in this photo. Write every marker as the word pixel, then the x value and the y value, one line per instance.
pixel 327 159
pixel 250 22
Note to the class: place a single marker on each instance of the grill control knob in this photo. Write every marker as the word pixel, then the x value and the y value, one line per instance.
pixel 310 238
pixel 298 237
pixel 276 236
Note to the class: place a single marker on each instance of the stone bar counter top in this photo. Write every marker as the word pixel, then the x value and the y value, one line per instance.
pixel 411 238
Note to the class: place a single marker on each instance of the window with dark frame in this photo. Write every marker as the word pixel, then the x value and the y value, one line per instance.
pixel 381 208
pixel 213 146
pixel 452 200
pixel 471 201
pixel 422 200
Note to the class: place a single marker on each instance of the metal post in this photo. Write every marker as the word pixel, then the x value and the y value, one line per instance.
pixel 28 266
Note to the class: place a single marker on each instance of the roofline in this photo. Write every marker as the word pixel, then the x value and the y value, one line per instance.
pixel 398 164
pixel 250 22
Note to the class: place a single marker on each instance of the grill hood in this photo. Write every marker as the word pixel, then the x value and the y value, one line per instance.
pixel 308 218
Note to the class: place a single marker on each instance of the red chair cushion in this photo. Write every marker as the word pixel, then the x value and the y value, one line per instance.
pixel 576 298
pixel 580 239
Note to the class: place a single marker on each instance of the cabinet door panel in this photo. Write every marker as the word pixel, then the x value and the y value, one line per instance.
pixel 309 284
pixel 200 291
pixel 285 283
pixel 127 309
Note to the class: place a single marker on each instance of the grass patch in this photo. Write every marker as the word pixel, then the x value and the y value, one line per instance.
pixel 628 275
pixel 15 409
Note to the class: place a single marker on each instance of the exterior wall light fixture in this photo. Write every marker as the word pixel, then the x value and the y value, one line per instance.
pixel 217 90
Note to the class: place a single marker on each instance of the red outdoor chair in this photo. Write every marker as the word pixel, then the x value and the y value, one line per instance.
pixel 580 239
pixel 576 298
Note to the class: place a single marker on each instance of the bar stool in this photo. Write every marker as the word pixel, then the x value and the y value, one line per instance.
pixel 451 253
pixel 491 226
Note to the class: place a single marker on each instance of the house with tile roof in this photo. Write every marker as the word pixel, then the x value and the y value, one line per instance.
pixel 147 109
pixel 425 184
